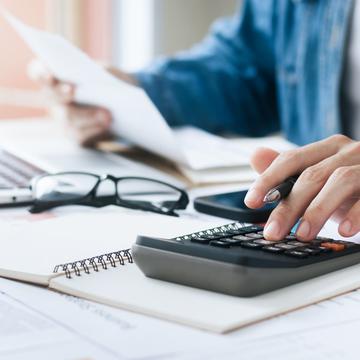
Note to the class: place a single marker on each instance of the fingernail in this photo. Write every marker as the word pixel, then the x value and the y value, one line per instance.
pixel 345 227
pixel 272 230
pixel 303 230
pixel 252 196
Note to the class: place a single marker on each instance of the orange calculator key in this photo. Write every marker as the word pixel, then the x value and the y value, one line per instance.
pixel 333 246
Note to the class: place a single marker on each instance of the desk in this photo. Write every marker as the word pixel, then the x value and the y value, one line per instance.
pixel 39 324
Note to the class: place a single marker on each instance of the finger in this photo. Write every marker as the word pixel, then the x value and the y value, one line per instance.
pixel 90 137
pixel 64 92
pixel 340 187
pixel 37 71
pixel 262 159
pixel 81 116
pixel 290 163
pixel 341 212
pixel 85 117
pixel 128 78
pixel 59 91
pixel 306 188
pixel 351 224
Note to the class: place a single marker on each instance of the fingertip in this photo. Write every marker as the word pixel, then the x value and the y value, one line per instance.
pixel 253 199
pixel 65 92
pixel 272 230
pixel 346 228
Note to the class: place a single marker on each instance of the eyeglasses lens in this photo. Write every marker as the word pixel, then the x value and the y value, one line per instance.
pixel 63 187
pixel 146 192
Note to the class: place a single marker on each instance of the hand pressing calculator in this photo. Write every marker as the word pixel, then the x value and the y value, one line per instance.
pixel 237 260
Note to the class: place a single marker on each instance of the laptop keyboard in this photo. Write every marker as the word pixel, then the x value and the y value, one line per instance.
pixel 15 172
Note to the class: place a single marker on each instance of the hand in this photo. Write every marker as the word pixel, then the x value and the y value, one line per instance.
pixel 329 186
pixel 89 124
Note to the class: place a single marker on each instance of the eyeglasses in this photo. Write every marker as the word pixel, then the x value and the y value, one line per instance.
pixel 81 188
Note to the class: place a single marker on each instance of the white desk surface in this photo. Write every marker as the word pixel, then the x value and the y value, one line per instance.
pixel 36 323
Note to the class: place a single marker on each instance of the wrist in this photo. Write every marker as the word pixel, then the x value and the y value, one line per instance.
pixel 121 75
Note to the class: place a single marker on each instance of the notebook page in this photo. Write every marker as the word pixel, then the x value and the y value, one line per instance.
pixel 200 308
pixel 31 249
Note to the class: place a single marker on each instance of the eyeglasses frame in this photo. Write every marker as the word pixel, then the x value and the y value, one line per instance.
pixel 91 198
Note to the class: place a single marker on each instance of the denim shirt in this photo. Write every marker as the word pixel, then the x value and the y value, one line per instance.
pixel 276 65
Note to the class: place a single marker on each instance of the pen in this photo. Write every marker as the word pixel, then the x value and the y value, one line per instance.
pixel 281 191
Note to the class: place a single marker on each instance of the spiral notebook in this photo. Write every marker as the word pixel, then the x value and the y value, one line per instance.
pixel 38 249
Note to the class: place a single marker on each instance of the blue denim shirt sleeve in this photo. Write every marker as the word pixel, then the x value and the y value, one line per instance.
pixel 227 82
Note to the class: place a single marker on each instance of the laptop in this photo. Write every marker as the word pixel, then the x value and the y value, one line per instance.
pixel 18 167
pixel 15 177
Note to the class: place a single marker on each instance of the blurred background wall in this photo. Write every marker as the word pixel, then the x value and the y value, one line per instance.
pixel 183 23
pixel 126 33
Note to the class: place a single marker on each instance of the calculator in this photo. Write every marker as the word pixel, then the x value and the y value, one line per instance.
pixel 238 260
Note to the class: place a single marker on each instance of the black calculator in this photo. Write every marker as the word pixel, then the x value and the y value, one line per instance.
pixel 237 260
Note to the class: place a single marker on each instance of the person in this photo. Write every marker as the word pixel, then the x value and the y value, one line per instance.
pixel 289 65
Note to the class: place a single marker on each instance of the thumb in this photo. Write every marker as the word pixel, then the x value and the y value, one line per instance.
pixel 262 158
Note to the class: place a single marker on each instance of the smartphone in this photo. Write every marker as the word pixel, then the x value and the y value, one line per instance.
pixel 232 206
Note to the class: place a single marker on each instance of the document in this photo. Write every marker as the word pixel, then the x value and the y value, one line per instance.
pixel 27 333
pixel 49 322
pixel 324 331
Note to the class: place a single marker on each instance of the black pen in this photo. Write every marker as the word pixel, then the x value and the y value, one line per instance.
pixel 281 191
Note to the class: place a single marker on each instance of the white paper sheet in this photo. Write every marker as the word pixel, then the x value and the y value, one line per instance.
pixel 27 333
pixel 121 333
pixel 328 330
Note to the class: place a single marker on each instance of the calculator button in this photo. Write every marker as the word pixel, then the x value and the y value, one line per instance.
pixel 232 241
pixel 252 228
pixel 324 250
pixel 346 243
pixel 322 238
pixel 199 240
pixel 241 238
pixel 235 232
pixel 333 246
pixel 251 245
pixel 296 253
pixel 311 251
pixel 264 242
pixel 272 249
pixel 220 234
pixel 296 243
pixel 285 246
pixel 210 237
pixel 220 243
pixel 254 236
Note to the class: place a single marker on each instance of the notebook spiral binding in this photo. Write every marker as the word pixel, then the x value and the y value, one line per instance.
pixel 94 263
